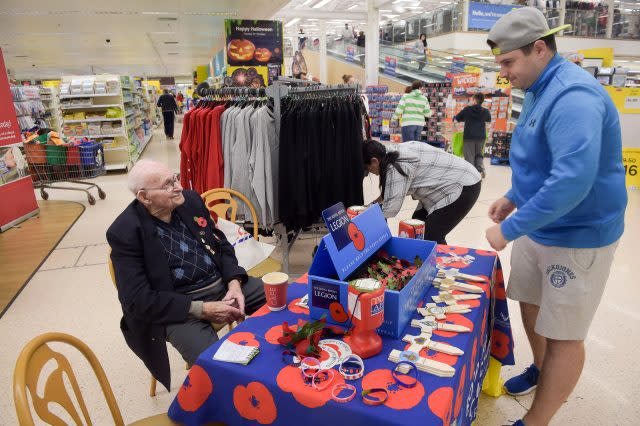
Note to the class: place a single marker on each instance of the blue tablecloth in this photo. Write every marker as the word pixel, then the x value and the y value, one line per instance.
pixel 267 391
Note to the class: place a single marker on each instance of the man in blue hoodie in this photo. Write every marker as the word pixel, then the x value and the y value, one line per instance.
pixel 569 191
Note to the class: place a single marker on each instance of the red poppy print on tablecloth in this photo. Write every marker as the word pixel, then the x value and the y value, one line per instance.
pixel 499 344
pixel 440 260
pixel 297 309
pixel 474 352
pixel 195 390
pixel 400 398
pixel 440 401
pixel 275 332
pixel 290 380
pixel 255 402
pixel 264 310
pixel 244 338
pixel 456 319
pixel 460 392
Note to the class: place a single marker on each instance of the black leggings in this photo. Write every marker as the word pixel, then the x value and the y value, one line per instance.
pixel 440 222
pixel 168 117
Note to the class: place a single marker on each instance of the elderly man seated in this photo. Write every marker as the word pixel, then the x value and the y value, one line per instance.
pixel 175 272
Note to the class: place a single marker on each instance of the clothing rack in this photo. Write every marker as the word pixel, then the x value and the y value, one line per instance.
pixel 238 91
pixel 281 88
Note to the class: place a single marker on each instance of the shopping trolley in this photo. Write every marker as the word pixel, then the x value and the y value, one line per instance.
pixel 61 163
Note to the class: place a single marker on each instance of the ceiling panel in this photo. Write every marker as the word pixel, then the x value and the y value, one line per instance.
pixel 148 37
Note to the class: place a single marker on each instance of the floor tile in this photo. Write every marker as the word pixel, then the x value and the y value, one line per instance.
pixel 62 258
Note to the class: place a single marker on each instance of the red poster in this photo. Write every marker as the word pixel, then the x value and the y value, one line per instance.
pixel 9 128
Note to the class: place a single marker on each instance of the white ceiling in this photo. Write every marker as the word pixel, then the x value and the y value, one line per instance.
pixel 69 37
pixel 352 12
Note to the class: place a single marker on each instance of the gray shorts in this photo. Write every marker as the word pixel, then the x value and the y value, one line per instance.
pixel 566 283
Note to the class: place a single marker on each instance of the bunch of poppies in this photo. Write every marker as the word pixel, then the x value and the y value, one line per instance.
pixel 390 271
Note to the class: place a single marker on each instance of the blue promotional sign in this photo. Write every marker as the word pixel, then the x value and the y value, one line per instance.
pixel 351 53
pixel 337 221
pixel 482 16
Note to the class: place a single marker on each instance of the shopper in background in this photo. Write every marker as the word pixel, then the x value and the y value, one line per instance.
pixel 568 185
pixel 412 110
pixel 169 107
pixel 421 46
pixel 349 79
pixel 446 186
pixel 175 272
pixel 475 117
pixel 347 34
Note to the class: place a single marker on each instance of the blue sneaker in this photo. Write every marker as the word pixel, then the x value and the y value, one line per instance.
pixel 524 383
pixel 519 423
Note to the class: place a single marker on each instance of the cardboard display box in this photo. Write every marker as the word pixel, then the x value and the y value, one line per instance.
pixel 338 257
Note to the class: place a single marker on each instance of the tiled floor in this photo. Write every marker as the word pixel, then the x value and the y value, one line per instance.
pixel 73 293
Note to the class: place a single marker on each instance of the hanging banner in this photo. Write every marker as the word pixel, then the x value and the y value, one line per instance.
pixel 254 44
pixel 9 128
pixel 482 16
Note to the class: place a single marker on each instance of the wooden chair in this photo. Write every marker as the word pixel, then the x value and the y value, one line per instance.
pixel 228 209
pixel 217 327
pixel 35 355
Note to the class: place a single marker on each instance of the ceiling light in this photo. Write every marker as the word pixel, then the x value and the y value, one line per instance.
pixel 321 4
pixel 156 13
pixel 353 6
pixel 306 3
pixel 173 53
pixel 385 10
pixel 472 54
pixel 622 61
pixel 445 2
pixel 212 13
pixel 172 18
pixel 291 22
pixel 170 42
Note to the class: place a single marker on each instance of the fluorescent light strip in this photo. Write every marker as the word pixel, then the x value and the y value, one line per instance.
pixel 321 4
pixel 291 22
pixel 353 6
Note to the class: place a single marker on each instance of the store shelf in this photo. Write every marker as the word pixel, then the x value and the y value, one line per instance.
pixel 105 106
pixel 93 120
pixel 119 148
pixel 116 166
pixel 90 95
pixel 119 135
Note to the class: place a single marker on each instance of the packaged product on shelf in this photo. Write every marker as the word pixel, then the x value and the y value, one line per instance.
pixel 113 112
pixel 68 130
pixel 94 128
pixel 87 86
pixel 79 116
pixel 112 86
pixel 76 86
pixel 65 89
pixel 80 129
pixel 100 87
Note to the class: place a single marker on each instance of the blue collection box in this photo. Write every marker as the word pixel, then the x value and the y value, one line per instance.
pixel 336 259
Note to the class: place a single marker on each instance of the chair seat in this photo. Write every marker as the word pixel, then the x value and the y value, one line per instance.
pixel 268 265
pixel 159 420
pixel 164 420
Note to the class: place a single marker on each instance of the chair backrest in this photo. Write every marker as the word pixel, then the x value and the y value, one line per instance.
pixel 35 355
pixel 112 272
pixel 221 203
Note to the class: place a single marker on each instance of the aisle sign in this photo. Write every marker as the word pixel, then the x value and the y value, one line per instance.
pixel 9 127
pixel 631 161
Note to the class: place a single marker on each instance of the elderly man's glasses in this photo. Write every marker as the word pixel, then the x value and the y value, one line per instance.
pixel 169 186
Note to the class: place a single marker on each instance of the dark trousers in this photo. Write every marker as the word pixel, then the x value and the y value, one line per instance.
pixel 473 150
pixel 168 118
pixel 411 133
pixel 192 337
pixel 440 222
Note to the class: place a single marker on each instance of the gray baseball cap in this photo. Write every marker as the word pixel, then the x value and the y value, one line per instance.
pixel 519 28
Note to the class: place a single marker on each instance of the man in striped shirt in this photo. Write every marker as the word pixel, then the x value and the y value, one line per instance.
pixel 412 109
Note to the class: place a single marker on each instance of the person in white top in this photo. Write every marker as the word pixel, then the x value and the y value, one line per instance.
pixel 446 186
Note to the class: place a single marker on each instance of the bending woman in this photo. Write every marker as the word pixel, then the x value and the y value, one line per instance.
pixel 446 186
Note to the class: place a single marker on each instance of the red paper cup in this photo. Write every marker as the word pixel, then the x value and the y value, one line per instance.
pixel 275 290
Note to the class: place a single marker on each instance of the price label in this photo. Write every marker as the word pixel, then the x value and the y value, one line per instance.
pixel 632 102
pixel 502 82
pixel 631 162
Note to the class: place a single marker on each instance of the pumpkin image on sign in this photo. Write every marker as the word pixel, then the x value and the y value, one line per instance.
pixel 240 50
pixel 337 312
pixel 262 54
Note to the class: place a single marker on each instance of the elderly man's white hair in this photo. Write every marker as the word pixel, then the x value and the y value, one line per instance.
pixel 140 172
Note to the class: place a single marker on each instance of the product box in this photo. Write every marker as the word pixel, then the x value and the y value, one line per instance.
pixel 349 245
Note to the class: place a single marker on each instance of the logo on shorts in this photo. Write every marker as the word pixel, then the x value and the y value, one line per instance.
pixel 559 275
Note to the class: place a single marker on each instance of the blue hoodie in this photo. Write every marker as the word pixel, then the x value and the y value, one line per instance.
pixel 567 179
